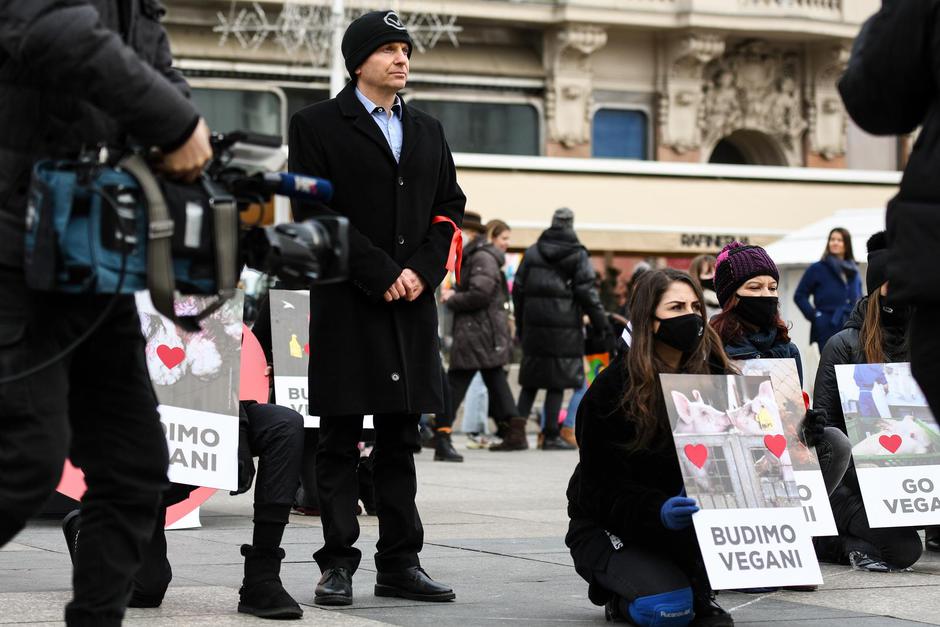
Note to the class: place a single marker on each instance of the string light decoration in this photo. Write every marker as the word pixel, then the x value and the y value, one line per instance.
pixel 308 28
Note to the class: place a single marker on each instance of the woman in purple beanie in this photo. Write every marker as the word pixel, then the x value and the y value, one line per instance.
pixel 750 327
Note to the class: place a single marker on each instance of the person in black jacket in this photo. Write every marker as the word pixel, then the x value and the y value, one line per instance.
pixel 630 532
pixel 552 291
pixel 376 336
pixel 73 75
pixel 482 340
pixel 750 327
pixel 877 332
pixel 892 87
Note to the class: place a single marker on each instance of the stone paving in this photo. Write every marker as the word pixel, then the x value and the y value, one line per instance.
pixel 494 529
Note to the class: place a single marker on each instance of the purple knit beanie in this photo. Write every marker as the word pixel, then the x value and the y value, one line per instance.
pixel 736 264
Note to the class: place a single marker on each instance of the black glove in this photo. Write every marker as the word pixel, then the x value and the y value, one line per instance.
pixel 246 465
pixel 813 426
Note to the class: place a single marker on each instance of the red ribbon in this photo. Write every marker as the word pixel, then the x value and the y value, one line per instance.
pixel 455 255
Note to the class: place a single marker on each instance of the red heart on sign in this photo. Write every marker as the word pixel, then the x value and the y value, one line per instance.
pixel 776 444
pixel 890 442
pixel 697 454
pixel 171 357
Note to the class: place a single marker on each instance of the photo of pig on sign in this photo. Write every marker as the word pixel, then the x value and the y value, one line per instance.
pixel 729 439
pixel 809 480
pixel 196 378
pixel 895 443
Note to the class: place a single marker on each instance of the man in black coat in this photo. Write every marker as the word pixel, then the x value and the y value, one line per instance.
pixel 552 292
pixel 374 342
pixel 891 87
pixel 72 74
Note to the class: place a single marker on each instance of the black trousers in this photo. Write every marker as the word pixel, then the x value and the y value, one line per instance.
pixel 502 406
pixel 553 399
pixel 401 534
pixel 898 547
pixel 634 572
pixel 275 435
pixel 96 406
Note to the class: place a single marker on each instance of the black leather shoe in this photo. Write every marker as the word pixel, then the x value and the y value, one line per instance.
pixel 412 583
pixel 334 588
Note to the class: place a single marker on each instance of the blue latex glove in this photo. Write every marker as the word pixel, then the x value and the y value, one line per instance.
pixel 676 513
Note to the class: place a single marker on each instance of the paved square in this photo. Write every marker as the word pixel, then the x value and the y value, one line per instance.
pixel 494 529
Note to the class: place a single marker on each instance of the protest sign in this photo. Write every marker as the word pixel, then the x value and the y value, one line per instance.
pixel 809 480
pixel 290 330
pixel 729 438
pixel 895 443
pixel 196 377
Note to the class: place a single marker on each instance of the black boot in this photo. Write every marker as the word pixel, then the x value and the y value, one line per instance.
pixel 554 442
pixel 932 539
pixel 261 593
pixel 444 449
pixel 707 611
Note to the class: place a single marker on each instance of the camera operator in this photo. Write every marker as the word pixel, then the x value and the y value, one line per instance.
pixel 890 88
pixel 75 74
pixel 375 337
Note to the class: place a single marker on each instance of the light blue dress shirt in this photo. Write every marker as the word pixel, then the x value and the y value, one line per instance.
pixel 390 125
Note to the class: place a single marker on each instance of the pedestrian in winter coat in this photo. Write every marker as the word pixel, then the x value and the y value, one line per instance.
pixel 630 531
pixel 376 336
pixel 74 75
pixel 834 285
pixel 891 88
pixel 750 327
pixel 553 289
pixel 876 333
pixel 482 340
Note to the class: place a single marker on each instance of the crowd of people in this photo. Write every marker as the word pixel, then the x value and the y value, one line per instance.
pixel 103 73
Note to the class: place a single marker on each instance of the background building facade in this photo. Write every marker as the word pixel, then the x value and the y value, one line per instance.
pixel 669 126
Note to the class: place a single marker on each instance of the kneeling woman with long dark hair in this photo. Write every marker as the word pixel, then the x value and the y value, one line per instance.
pixel 631 533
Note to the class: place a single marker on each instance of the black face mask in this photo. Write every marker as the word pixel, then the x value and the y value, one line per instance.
pixel 683 333
pixel 761 311
pixel 895 317
pixel 708 284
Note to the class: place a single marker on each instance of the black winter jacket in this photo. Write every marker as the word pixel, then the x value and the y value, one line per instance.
pixel 369 356
pixel 845 348
pixel 76 73
pixel 552 291
pixel 613 489
pixel 764 345
pixel 892 86
pixel 481 322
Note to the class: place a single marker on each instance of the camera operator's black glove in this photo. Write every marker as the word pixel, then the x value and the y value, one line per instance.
pixel 246 465
pixel 813 426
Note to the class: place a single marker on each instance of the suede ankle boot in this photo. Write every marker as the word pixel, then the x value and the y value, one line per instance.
pixel 261 593
pixel 515 439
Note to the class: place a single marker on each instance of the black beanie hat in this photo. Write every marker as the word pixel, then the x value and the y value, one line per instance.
pixel 366 33
pixel 877 274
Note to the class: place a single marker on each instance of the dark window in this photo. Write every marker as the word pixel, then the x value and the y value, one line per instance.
pixel 298 98
pixel 486 127
pixel 619 133
pixel 228 110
